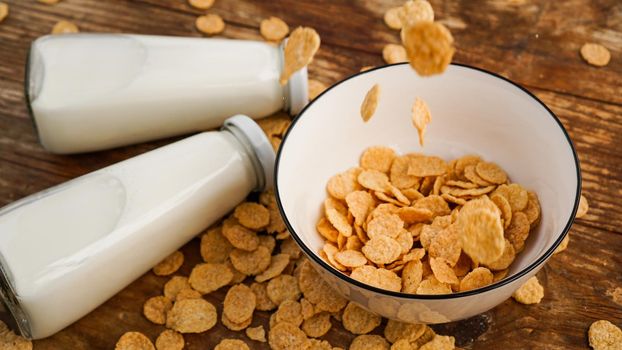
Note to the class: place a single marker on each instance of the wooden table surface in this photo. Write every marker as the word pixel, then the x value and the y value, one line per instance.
pixel 533 42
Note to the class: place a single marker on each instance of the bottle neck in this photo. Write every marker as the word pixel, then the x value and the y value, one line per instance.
pixel 257 147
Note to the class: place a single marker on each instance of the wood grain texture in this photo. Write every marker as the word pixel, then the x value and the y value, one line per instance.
pixel 533 42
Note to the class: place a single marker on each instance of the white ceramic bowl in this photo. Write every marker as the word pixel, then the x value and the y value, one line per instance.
pixel 473 112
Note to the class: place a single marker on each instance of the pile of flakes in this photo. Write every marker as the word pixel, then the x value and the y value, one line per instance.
pixel 417 224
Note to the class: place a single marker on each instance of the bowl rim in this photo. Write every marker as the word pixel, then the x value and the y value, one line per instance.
pixel 312 255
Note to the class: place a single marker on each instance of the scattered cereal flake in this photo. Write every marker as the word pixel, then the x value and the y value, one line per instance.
pixel 315 88
pixel 506 258
pixel 412 274
pixel 529 293
pixel 256 333
pixel 595 54
pixel 422 166
pixel 286 336
pixel 134 341
pixel 206 278
pixel 317 291
pixel 421 117
pixel 65 27
pixel 518 231
pixel 431 285
pixel 170 264
pixel 210 24
pixel 237 275
pixel 239 303
pixel 252 215
pixel 440 342
pixel 374 180
pixel 318 344
pixel 155 309
pixel 317 325
pixel 416 11
pixel 191 316
pixel 169 340
pixel 583 207
pixel 389 225
pixel 429 47
pixel 308 310
pixel 4 10
pixel 442 271
pixel 239 236
pixel 402 344
pixel 251 263
pixel 201 4
pixel 351 258
pixel 394 53
pixel 275 125
pixel 604 335
pixel 174 285
pixel 278 263
pixel 187 293
pixel 515 194
pixel 273 29
pixel 358 320
pixel 370 103
pixel 477 278
pixel 378 158
pixel 563 245
pixel 412 215
pixel 215 248
pixel 491 172
pixel 504 207
pixel 281 288
pixel 395 330
pixel 427 336
pixel 366 68
pixel 232 344
pixel 382 249
pixel 263 302
pixel 12 341
pixel 369 342
pixel 235 326
pixel 299 50
pixel 268 242
pixel 276 222
pixel 393 17
pixel 482 233
pixel 290 247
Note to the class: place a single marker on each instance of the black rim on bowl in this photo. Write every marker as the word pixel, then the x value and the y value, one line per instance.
pixel 510 279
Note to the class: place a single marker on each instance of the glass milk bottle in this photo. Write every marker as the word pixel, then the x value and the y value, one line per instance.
pixel 66 250
pixel 89 92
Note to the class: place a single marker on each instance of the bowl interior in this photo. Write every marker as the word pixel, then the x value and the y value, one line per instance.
pixel 473 112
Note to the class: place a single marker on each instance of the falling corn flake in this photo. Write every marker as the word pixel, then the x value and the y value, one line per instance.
pixel 429 47
pixel 604 335
pixel 133 341
pixel 299 50
pixel 393 17
pixel 65 27
pixel 595 54
pixel 232 344
pixel 414 11
pixel 169 340
pixel 370 103
pixel 421 117
pixel 358 320
pixel 529 293
pixel 201 4
pixel 273 29
pixel 482 233
pixel 169 265
pixel 191 316
pixel 4 11
pixel 210 24
pixel 583 207
pixel 369 342
pixel 155 309
pixel 394 53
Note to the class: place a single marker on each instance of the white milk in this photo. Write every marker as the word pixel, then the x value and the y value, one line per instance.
pixel 90 92
pixel 66 250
